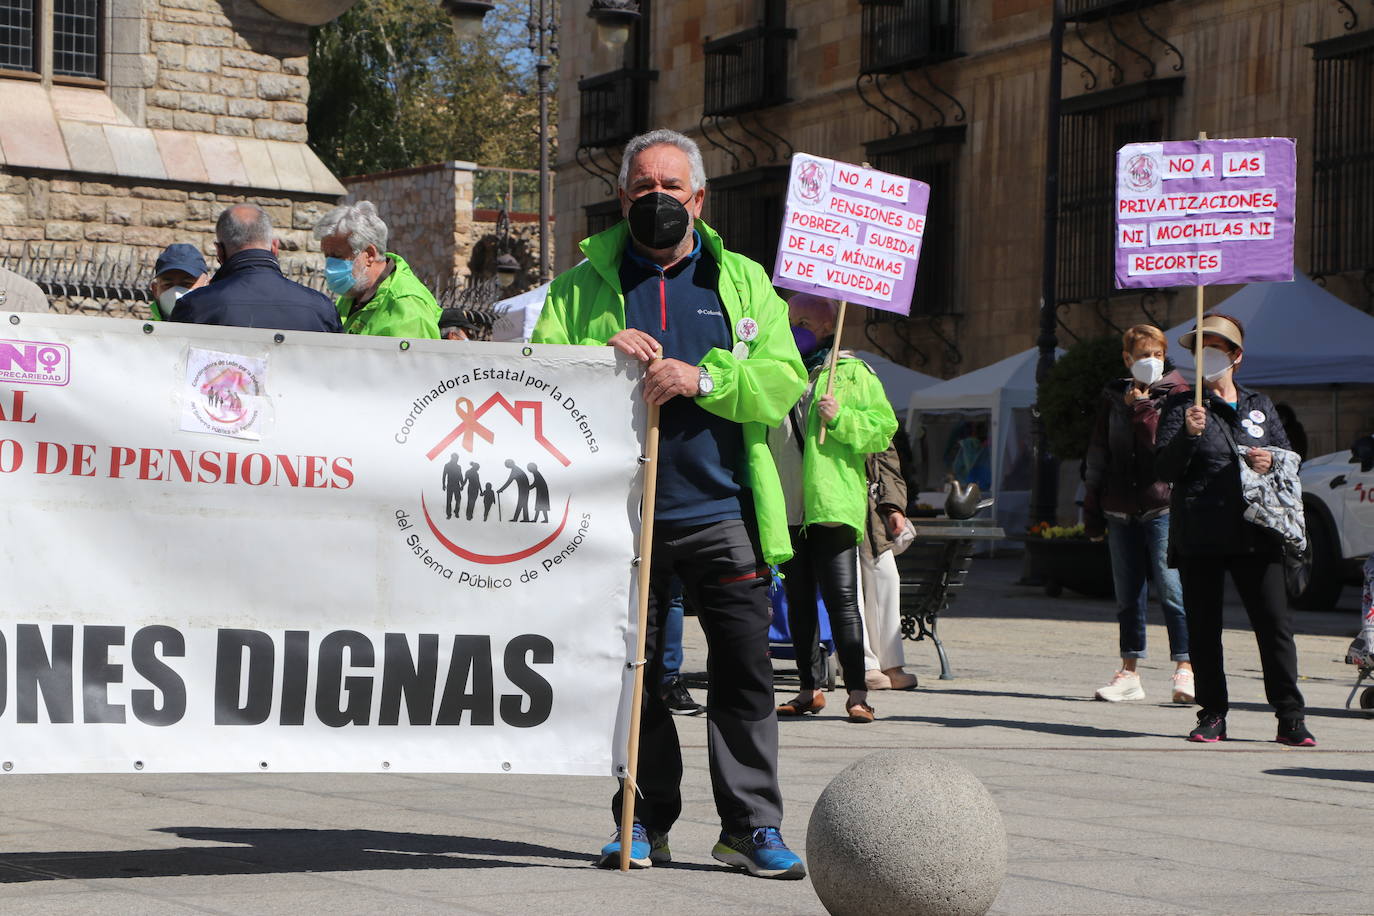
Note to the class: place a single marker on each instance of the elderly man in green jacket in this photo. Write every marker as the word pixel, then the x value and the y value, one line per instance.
pixel 379 294
pixel 729 370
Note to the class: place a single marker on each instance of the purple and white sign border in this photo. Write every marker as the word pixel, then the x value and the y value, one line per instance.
pixel 1205 212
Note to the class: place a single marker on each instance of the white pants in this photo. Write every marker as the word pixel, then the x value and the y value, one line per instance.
pixel 882 610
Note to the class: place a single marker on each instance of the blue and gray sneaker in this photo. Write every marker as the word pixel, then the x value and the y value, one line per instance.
pixel 761 853
pixel 647 848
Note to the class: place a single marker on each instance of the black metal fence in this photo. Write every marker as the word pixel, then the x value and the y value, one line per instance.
pixel 901 34
pixel 1092 129
pixel 601 216
pixel 614 107
pixel 1343 156
pixel 114 282
pixel 932 157
pixel 1088 10
pixel 746 71
pixel 746 209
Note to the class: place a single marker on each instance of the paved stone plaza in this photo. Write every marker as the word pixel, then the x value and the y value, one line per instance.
pixel 1108 809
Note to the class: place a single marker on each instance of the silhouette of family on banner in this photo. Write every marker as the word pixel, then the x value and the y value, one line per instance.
pixel 531 492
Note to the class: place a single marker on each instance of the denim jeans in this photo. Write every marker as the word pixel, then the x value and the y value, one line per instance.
pixel 1136 546
pixel 672 635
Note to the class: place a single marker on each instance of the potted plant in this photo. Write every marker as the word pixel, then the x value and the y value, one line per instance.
pixel 1063 556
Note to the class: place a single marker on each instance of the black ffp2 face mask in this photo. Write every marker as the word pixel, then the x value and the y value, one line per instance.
pixel 658 221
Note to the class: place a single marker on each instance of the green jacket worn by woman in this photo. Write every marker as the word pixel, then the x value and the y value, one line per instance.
pixel 402 307
pixel 586 306
pixel 836 488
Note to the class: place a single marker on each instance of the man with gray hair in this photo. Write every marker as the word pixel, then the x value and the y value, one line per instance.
pixel 378 292
pixel 249 290
pixel 721 363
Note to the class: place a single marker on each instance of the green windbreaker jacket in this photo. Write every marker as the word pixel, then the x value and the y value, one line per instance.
pixel 585 305
pixel 836 479
pixel 401 308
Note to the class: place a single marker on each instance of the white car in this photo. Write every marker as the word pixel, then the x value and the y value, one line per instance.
pixel 1338 500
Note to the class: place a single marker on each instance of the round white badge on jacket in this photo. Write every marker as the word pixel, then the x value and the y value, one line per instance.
pixel 746 329
pixel 1257 432
pixel 740 350
pixel 1257 416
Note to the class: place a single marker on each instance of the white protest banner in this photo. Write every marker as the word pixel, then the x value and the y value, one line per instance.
pixel 851 233
pixel 232 550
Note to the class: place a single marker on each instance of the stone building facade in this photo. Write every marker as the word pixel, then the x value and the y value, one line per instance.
pixel 957 94
pixel 181 108
pixel 445 229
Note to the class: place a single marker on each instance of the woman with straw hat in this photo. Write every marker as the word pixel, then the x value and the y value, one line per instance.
pixel 1209 535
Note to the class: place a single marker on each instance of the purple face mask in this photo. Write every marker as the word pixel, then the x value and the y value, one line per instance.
pixel 806 341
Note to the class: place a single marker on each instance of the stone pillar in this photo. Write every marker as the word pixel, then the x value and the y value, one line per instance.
pixel 465 233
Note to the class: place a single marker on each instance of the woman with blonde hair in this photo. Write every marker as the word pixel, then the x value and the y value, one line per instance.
pixel 1127 502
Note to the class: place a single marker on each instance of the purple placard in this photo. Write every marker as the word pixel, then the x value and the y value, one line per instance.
pixel 851 233
pixel 1201 212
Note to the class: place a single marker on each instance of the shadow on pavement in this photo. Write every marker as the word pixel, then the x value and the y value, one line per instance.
pixel 282 851
pixel 1048 728
pixel 1314 773
pixel 1018 695
pixel 994 592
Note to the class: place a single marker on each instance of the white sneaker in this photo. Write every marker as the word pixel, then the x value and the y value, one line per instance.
pixel 1125 685
pixel 1183 685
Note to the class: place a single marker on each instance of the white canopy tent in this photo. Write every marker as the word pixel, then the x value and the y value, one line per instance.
pixel 1295 334
pixel 898 381
pixel 977 426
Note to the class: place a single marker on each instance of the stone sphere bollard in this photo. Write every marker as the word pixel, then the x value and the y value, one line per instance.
pixel 906 831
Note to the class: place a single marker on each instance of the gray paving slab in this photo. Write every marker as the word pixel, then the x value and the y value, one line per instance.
pixel 1108 809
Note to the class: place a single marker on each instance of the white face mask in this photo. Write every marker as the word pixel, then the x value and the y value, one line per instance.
pixel 168 298
pixel 1215 362
pixel 1147 371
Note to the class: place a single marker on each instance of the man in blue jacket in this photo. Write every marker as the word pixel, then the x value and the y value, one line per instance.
pixel 249 290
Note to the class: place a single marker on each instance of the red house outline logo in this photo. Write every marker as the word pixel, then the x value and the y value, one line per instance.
pixel 470 428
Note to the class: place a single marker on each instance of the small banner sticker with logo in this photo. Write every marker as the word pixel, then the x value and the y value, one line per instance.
pixel 225 394
pixel 851 233
pixel 1202 212
pixel 424 563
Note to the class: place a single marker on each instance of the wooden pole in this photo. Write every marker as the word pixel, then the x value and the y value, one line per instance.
pixel 834 358
pixel 646 550
pixel 1197 337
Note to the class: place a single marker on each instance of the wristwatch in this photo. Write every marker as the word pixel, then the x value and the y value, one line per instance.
pixel 705 384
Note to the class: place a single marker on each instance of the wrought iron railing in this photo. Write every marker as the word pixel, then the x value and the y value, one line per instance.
pixel 601 216
pixel 746 209
pixel 114 282
pixel 1088 10
pixel 747 71
pixel 1343 155
pixel 902 34
pixel 930 156
pixel 614 107
pixel 512 190
pixel 1092 128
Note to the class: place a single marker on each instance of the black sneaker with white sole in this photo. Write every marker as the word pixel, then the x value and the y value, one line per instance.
pixel 679 701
